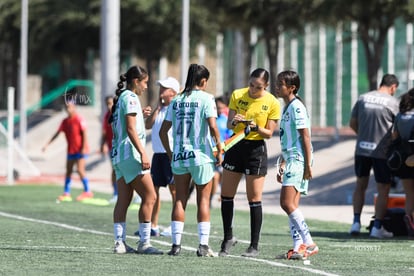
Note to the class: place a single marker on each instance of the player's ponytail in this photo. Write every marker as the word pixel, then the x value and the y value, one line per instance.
pixel 134 72
pixel 196 73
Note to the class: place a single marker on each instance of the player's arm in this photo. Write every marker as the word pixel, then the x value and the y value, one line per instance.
pixel 231 123
pixel 307 151
pixel 165 127
pixel 51 140
pixel 216 136
pixel 84 142
pixel 267 131
pixel 103 141
pixel 149 122
pixel 133 137
pixel 353 124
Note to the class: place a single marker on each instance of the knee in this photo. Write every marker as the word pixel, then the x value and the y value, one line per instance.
pixel 287 206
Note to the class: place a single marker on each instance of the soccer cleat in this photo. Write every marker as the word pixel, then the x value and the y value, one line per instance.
pixel 148 249
pixel 294 255
pixel 300 254
pixel 155 232
pixel 410 225
pixel 175 250
pixel 355 229
pixel 137 200
pixel 311 250
pixel 251 252
pixel 285 256
pixel 84 195
pixel 166 232
pixel 226 245
pixel 122 248
pixel 113 199
pixel 380 233
pixel 205 251
pixel 64 198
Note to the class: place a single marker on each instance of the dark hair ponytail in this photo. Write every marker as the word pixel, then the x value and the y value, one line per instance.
pixel 194 76
pixel 260 73
pixel 134 72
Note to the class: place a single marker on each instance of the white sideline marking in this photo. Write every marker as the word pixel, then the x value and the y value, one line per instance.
pixel 70 227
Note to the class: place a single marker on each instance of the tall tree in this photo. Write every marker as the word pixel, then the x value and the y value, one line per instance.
pixel 374 19
pixel 272 17
pixel 152 30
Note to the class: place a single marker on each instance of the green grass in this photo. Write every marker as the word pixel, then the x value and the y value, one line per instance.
pixel 40 237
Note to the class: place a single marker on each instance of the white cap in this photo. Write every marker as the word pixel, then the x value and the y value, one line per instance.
pixel 170 82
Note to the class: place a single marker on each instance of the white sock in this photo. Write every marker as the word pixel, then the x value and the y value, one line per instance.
pixel 145 232
pixel 177 228
pixel 299 222
pixel 204 232
pixel 119 231
pixel 297 239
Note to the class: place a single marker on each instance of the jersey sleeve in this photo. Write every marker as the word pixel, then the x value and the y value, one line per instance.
pixel 233 101
pixel 354 112
pixel 169 113
pixel 62 126
pixel 82 123
pixel 210 107
pixel 275 112
pixel 131 104
pixel 301 117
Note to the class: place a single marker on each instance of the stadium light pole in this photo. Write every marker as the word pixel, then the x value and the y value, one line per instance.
pixel 23 74
pixel 185 38
pixel 110 28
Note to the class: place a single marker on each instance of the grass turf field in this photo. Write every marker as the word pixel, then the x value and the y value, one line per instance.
pixel 40 237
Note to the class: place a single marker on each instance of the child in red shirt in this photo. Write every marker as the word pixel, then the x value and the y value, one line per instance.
pixel 74 128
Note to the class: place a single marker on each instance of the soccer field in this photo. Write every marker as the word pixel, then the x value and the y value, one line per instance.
pixel 41 237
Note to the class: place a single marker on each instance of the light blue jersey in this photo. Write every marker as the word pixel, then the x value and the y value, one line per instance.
pixel 294 117
pixel 193 145
pixel 122 148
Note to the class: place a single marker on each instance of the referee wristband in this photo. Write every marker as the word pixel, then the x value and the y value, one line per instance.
pixel 255 128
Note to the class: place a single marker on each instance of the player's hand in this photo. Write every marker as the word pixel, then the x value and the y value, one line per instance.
pixel 146 165
pixel 147 111
pixel 219 159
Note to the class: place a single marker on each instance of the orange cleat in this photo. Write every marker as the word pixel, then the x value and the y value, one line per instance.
pixel 84 195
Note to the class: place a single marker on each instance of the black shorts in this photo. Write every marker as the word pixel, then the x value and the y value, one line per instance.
pixel 248 157
pixel 364 164
pixel 161 170
pixel 404 172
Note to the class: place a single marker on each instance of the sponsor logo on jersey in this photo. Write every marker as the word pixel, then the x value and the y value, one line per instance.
pixel 185 155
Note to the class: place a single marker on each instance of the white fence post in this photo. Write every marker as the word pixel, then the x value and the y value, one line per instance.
pixel 10 136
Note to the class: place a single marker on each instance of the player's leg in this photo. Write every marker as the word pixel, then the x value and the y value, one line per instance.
pixel 182 181
pixel 119 216
pixel 203 179
pixel 81 167
pixel 383 178
pixel 362 167
pixel 144 186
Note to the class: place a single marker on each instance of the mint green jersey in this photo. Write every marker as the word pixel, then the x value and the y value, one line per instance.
pixel 294 117
pixel 122 148
pixel 193 145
